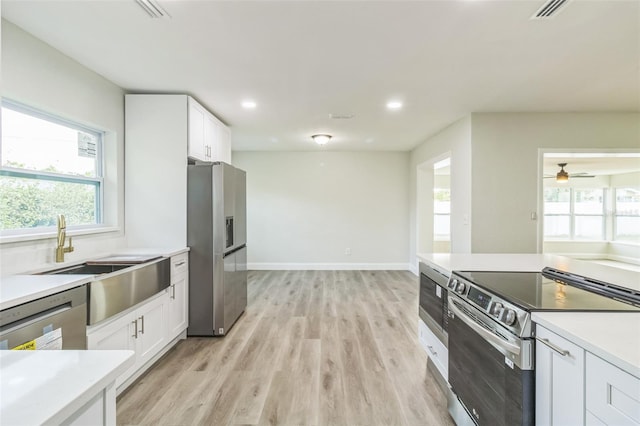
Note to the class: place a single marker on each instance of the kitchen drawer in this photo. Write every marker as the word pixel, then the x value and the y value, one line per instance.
pixel 435 349
pixel 179 264
pixel 613 395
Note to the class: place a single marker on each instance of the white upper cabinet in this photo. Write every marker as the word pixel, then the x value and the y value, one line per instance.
pixel 209 139
pixel 196 140
pixel 223 151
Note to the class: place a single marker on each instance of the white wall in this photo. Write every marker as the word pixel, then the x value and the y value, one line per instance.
pixel 626 179
pixel 454 141
pixel 505 159
pixel 35 74
pixel 305 208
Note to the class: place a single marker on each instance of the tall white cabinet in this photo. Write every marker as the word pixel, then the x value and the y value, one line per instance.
pixel 161 133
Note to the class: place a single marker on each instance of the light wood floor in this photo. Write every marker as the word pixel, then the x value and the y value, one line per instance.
pixel 312 348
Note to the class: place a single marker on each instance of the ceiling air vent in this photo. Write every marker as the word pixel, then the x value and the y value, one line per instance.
pixel 153 9
pixel 549 9
pixel 341 116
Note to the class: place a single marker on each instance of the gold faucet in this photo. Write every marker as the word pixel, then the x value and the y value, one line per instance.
pixel 62 233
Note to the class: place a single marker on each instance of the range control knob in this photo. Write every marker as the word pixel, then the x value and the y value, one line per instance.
pixel 453 284
pixel 496 309
pixel 460 288
pixel 509 317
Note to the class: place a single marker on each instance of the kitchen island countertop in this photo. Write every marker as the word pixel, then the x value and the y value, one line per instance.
pixel 612 336
pixel 47 387
pixel 529 262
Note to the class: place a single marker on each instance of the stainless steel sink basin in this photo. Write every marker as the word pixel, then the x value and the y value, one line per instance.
pixel 86 268
pixel 117 287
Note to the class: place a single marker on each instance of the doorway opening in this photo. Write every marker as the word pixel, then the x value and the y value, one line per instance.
pixel 434 205
pixel 590 205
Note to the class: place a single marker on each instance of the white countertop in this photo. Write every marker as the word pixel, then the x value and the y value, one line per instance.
pixel 165 252
pixel 446 263
pixel 612 336
pixel 18 289
pixel 48 386
pixel 511 262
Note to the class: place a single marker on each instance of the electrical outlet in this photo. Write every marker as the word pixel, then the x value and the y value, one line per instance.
pixel 347 251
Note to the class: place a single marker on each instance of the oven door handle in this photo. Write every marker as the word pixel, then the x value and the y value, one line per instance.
pixel 486 334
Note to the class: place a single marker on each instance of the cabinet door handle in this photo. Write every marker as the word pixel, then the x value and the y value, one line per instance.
pixel 432 351
pixel 173 291
pixel 135 327
pixel 553 347
pixel 180 263
pixel 142 319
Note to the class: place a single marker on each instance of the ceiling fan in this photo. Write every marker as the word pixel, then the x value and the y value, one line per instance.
pixel 562 176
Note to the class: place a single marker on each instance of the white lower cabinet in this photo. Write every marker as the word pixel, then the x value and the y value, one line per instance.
pixel 149 327
pixel 141 330
pixel 436 350
pixel 179 296
pixel 576 387
pixel 613 395
pixel 559 380
pixel 151 320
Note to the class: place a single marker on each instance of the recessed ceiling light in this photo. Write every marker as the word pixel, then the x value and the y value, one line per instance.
pixel 248 104
pixel 394 105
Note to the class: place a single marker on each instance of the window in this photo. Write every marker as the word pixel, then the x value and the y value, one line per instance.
pixel 441 213
pixel 626 214
pixel 49 167
pixel 574 213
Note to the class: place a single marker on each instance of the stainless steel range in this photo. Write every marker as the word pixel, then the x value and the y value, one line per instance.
pixel 492 339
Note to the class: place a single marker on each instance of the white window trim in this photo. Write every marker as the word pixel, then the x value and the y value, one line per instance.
pixel 51 233
pixel 32 234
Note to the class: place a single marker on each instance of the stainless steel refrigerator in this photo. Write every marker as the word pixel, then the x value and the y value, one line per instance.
pixel 216 234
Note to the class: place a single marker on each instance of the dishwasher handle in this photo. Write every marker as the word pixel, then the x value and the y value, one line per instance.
pixel 39 316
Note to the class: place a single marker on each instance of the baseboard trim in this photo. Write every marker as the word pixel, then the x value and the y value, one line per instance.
pixel 413 269
pixel 329 267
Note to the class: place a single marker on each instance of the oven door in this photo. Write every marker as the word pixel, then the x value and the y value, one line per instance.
pixel 490 370
pixel 433 301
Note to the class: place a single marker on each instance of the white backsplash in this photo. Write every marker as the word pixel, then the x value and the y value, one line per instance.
pixel 25 257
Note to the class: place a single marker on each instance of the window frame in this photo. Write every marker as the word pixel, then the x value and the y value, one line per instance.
pixel 615 215
pixel 572 216
pixel 97 182
pixel 441 237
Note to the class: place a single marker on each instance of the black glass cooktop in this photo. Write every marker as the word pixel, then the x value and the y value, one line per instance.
pixel 534 291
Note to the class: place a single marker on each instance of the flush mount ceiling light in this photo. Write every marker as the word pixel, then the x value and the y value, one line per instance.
pixel 562 176
pixel 153 9
pixel 394 105
pixel 248 104
pixel 321 139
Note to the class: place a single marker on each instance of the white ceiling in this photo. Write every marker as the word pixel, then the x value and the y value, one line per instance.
pixel 303 60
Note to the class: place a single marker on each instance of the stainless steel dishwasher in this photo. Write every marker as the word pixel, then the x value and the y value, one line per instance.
pixel 58 321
